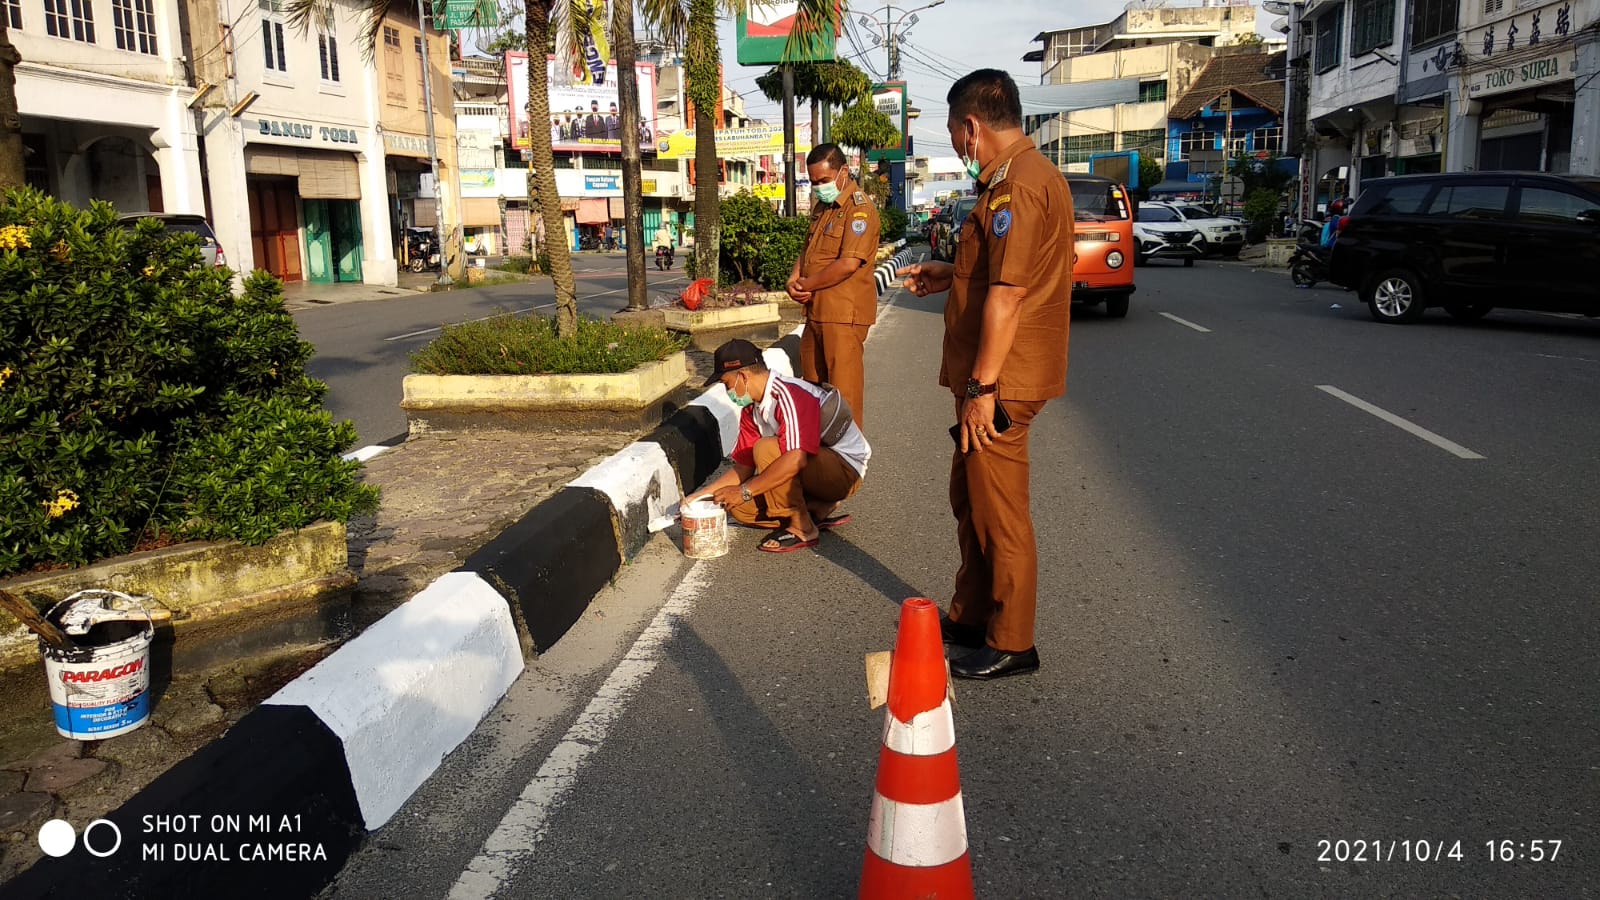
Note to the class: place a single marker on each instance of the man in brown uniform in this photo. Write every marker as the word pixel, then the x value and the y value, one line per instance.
pixel 833 278
pixel 1005 346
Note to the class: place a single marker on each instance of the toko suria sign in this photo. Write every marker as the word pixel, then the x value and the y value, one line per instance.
pixel 1534 46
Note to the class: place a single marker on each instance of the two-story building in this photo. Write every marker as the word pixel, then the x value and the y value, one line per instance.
pixel 294 157
pixel 1233 109
pixel 1156 51
pixel 403 116
pixel 104 99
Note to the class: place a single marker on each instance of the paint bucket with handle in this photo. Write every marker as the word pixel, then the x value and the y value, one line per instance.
pixel 705 530
pixel 100 685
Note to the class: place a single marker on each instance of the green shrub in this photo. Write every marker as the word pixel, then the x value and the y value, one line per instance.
pixel 892 224
pixel 1260 209
pixel 785 239
pixel 512 345
pixel 520 265
pixel 131 378
pixel 757 244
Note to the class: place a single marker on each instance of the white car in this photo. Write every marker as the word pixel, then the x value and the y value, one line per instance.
pixel 1222 235
pixel 1159 232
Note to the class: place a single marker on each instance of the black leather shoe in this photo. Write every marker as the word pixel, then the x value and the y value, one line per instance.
pixel 961 635
pixel 991 663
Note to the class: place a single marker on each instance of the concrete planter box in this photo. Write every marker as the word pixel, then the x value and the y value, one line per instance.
pixel 1279 250
pixel 203 583
pixel 633 401
pixel 709 328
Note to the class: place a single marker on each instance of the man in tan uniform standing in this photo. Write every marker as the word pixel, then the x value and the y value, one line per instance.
pixel 833 278
pixel 1005 350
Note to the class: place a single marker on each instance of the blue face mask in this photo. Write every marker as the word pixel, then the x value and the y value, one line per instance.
pixel 973 167
pixel 827 193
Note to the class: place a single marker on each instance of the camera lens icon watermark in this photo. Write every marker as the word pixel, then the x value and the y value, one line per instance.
pixel 57 838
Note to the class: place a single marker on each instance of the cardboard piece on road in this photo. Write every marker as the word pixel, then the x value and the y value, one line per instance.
pixel 878 678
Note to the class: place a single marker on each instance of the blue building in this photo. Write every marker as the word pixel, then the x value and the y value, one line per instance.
pixel 1234 107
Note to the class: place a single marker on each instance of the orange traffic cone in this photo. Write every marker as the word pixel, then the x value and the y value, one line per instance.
pixel 917 836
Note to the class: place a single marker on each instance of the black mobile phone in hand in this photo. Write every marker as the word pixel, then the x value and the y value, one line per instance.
pixel 1002 421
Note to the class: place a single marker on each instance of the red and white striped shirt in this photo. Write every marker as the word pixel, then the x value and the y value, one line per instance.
pixel 790 411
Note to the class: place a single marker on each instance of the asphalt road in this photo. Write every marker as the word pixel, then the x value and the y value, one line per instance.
pixel 1270 619
pixel 364 348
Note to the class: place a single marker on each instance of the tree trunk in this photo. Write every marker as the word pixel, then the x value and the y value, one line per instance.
pixel 814 112
pixel 543 179
pixel 11 164
pixel 632 179
pixel 703 67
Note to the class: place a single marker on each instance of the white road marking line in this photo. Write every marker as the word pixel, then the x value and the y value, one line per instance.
pixel 1405 425
pixel 366 453
pixel 1568 358
pixel 1185 322
pixel 514 312
pixel 515 839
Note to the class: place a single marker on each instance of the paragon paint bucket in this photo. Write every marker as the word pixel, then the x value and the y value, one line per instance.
pixel 101 687
pixel 705 530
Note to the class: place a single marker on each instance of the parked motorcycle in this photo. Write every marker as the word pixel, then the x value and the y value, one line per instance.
pixel 663 258
pixel 1308 265
pixel 421 251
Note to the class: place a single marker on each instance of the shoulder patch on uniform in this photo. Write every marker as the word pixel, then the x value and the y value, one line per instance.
pixel 999 201
pixel 1000 173
pixel 1002 223
pixel 859 226
pixel 861 196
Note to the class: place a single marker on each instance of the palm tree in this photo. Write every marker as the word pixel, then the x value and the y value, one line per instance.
pixel 692 25
pixel 632 178
pixel 11 164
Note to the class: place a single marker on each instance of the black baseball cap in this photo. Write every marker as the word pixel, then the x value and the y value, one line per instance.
pixel 731 357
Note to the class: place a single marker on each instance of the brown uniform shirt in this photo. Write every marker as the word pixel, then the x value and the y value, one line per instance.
pixel 1019 233
pixel 847 228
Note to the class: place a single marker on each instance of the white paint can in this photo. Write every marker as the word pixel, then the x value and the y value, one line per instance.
pixel 101 688
pixel 705 530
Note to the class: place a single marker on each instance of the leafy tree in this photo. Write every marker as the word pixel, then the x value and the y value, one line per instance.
pixel 1150 175
pixel 835 83
pixel 862 127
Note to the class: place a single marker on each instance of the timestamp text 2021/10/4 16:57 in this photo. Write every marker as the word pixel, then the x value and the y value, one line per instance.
pixel 1425 850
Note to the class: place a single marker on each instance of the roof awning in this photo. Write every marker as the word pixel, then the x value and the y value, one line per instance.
pixel 1044 99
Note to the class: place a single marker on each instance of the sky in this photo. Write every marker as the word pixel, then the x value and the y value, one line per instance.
pixel 948 41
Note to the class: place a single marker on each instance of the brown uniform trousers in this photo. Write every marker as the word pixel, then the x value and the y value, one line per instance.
pixel 837 318
pixel 827 478
pixel 1018 234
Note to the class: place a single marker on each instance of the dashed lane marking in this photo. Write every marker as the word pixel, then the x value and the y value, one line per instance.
pixel 1187 324
pixel 1405 425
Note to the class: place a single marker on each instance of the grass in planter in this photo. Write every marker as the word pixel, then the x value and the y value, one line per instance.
pixel 513 345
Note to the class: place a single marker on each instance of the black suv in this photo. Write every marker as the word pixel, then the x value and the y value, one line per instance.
pixel 1471 241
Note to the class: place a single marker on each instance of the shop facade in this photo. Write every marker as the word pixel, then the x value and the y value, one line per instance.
pixel 105 111
pixel 293 156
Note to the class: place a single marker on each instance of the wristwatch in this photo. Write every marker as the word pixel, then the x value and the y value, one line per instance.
pixel 976 388
pixel 744 493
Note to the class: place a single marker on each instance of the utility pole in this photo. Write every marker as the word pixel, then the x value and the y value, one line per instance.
pixel 788 141
pixel 888 32
pixel 433 152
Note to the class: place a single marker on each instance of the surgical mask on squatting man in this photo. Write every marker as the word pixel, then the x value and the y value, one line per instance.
pixel 740 400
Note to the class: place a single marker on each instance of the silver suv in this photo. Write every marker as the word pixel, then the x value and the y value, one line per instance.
pixel 191 224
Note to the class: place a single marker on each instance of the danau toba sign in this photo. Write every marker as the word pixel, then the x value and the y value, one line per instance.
pixel 753 141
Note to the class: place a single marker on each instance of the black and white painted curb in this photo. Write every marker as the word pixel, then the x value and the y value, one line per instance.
pixel 276 806
pixel 884 274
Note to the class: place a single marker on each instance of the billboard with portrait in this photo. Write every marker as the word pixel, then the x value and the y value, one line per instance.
pixel 584 117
